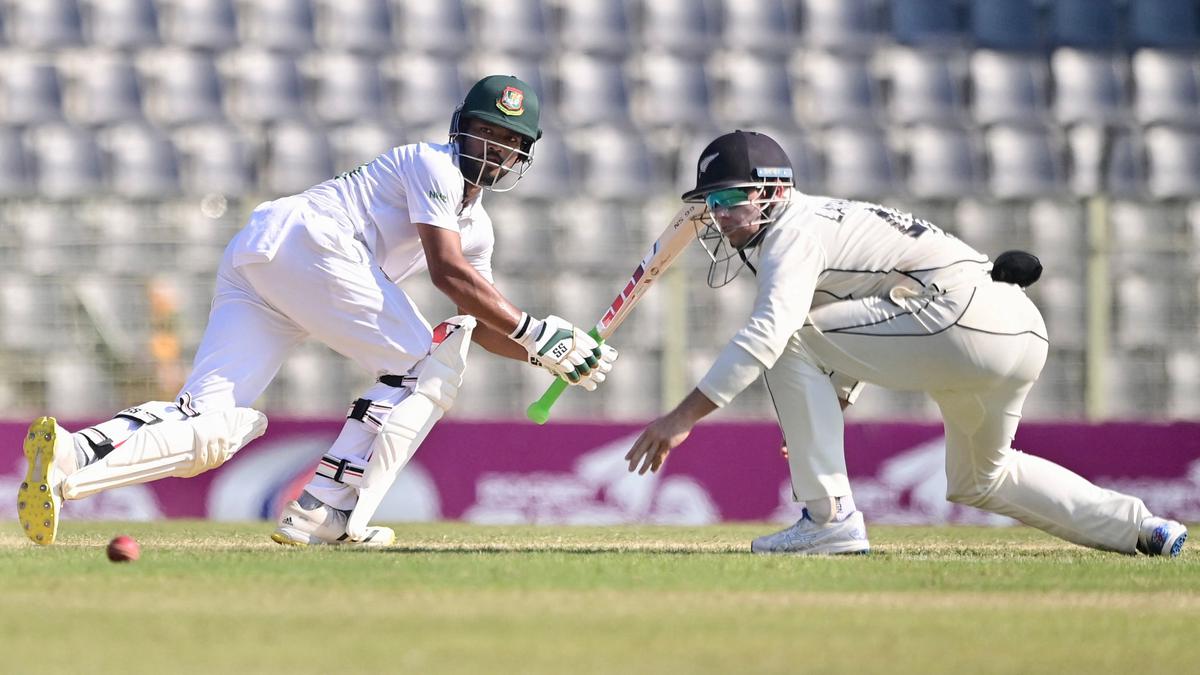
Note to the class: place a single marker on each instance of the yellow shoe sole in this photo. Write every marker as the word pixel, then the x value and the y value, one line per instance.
pixel 284 540
pixel 37 506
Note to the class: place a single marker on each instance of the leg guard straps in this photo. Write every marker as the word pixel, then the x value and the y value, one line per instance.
pixel 341 470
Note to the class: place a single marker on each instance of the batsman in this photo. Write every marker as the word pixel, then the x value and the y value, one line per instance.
pixel 325 264
pixel 852 292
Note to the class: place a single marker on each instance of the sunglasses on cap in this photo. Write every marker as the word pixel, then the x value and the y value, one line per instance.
pixel 728 198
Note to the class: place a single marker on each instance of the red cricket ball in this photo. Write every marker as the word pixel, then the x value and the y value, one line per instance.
pixel 123 549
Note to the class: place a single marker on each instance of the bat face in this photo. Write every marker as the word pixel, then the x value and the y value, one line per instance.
pixel 662 253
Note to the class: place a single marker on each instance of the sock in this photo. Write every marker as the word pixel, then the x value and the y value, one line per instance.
pixel 830 509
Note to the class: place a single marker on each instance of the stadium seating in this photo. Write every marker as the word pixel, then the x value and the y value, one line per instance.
pixel 141 132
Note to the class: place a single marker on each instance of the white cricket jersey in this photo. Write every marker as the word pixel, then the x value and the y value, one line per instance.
pixel 822 250
pixel 381 201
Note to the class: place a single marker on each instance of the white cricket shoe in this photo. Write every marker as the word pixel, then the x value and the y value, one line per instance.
pixel 1159 536
pixel 308 521
pixel 808 538
pixel 51 456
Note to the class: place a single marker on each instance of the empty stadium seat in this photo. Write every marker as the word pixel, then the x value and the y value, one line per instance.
pixel 515 26
pixel 44 24
pixel 353 25
pixel 839 25
pixel 764 26
pixel 283 25
pixel 298 157
pixel 930 23
pixel 684 26
pixel 988 226
pixel 591 90
pixel 16 179
pixel 943 162
pixel 434 27
pixel 357 143
pixel 923 86
pixel 594 27
pixel 308 378
pixel 1166 86
pixel 1183 368
pixel 1168 24
pixel 1144 234
pixel 66 161
pixel 1142 310
pixel 78 384
pixel 614 163
pixel 33 312
pixel 1062 299
pixel 1025 161
pixel 1007 87
pixel 120 24
pixel 1133 387
pixel 124 237
pixel 1010 25
pixel 750 89
pixel 551 174
pixel 858 163
pixel 141 162
pixel 669 90
pixel 344 86
pixel 1058 393
pixel 1058 235
pixel 1120 173
pixel 1088 86
pixel 423 88
pixel 31 89
pixel 203 24
pixel 1084 24
pixel 1174 162
pixel 101 87
pixel 181 86
pixel 834 89
pixel 262 86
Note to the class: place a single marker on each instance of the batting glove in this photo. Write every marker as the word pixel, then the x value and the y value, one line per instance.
pixel 558 346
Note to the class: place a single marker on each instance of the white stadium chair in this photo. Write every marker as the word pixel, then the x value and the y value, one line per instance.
pixel 263 86
pixel 1174 161
pixel 594 27
pixel 181 86
pixel 832 88
pixel 215 159
pixel 353 25
pixel 67 161
pixel 944 162
pixel 357 143
pixel 1025 161
pixel 423 88
pixel 298 157
pixel 592 90
pixel 101 87
pixel 344 86
pixel 284 25
pixel 923 86
pixel 765 26
pixel 750 90
pixel 1123 174
pixel 30 91
pixel 670 89
pixel 120 24
pixel 16 174
pixel 435 27
pixel 844 25
pixel 858 163
pixel 141 161
pixel 684 26
pixel 1007 87
pixel 1166 86
pixel 514 26
pixel 202 24
pixel 44 24
pixel 1088 86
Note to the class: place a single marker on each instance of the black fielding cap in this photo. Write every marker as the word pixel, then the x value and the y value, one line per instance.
pixel 739 158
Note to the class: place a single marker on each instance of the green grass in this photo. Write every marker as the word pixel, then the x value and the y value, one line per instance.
pixel 213 598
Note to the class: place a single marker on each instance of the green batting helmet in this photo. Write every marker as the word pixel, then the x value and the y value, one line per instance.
pixel 504 100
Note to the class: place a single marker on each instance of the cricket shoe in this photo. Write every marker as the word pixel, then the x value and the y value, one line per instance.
pixel 51 457
pixel 1159 536
pixel 809 538
pixel 308 521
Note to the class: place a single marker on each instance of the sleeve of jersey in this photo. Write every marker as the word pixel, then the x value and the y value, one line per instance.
pixel 433 188
pixel 787 278
pixel 732 372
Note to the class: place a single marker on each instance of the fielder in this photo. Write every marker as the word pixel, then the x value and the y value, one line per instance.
pixel 851 292
pixel 325 264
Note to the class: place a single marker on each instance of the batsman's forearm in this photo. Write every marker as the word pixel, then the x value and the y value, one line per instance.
pixel 497 343
pixel 473 295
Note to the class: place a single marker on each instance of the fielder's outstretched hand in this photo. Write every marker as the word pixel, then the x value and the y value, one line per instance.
pixel 656 442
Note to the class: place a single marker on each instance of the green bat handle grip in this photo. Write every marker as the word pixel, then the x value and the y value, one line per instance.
pixel 539 410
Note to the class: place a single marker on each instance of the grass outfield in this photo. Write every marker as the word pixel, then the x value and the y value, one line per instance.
pixel 459 598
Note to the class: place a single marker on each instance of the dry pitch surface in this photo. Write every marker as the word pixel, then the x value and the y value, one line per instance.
pixel 457 598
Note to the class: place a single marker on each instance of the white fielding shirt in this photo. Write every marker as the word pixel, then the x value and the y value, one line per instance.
pixel 380 202
pixel 821 250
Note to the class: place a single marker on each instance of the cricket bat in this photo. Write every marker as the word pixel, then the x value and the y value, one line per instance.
pixel 662 253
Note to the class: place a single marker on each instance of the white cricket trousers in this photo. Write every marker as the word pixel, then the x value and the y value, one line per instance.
pixel 315 280
pixel 977 351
